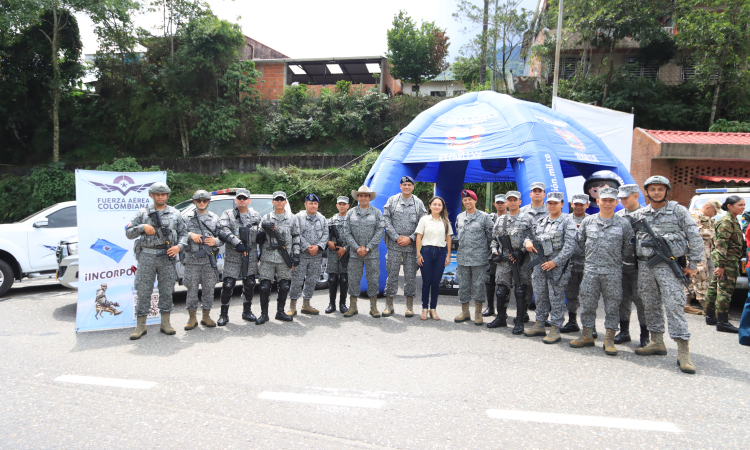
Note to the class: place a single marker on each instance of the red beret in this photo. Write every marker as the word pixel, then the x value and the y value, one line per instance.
pixel 468 193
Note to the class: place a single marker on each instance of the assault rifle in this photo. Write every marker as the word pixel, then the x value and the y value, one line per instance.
pixel 508 245
pixel 277 243
pixel 662 253
pixel 244 235
pixel 538 257
pixel 335 236
pixel 162 232
pixel 204 248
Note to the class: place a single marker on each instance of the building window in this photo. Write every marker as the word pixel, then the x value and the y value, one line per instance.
pixel 642 69
pixel 437 93
pixel 457 93
pixel 689 71
pixel 570 65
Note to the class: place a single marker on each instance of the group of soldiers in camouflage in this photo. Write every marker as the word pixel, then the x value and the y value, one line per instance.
pixel 542 256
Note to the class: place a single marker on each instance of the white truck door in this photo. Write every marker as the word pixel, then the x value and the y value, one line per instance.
pixel 44 237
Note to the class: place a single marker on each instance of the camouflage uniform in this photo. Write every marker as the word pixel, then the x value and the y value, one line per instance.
pixel 536 213
pixel 151 253
pixel 606 244
pixel 572 290
pixel 333 264
pixel 229 228
pixel 630 280
pixel 516 227
pixel 558 239
pixel 658 286
pixel 401 216
pixel 313 231
pixel 198 271
pixel 727 254
pixel 271 261
pixel 473 237
pixel 364 228
pixel 338 276
pixel 702 277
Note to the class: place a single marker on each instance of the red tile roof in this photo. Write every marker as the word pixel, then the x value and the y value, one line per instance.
pixel 723 179
pixel 700 137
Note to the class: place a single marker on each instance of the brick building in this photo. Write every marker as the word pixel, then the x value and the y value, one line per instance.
pixel 691 160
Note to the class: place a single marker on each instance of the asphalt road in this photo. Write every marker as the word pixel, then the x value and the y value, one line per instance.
pixel 329 382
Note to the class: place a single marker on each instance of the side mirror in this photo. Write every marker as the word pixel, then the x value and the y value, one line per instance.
pixel 41 223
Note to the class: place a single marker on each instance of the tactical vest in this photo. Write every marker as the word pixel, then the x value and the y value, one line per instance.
pixel 552 239
pixel 669 229
pixel 302 219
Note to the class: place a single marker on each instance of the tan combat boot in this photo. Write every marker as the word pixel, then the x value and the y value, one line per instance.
pixel 655 347
pixel 166 327
pixel 464 316
pixel 192 321
pixel 553 337
pixel 206 321
pixel 409 307
pixel 586 339
pixel 683 356
pixel 140 328
pixel 478 321
pixel 536 330
pixel 352 307
pixel 308 309
pixel 374 307
pixel 388 311
pixel 609 343
pixel 690 310
pixel 292 308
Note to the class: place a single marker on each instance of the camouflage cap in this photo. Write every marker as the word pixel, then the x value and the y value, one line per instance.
pixel 500 198
pixel 608 192
pixel 715 203
pixel 515 194
pixel 159 188
pixel 538 185
pixel 201 194
pixel 279 194
pixel 555 197
pixel 628 189
pixel 343 199
pixel 242 191
pixel 580 198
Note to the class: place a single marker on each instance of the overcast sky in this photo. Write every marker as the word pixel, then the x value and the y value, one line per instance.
pixel 332 28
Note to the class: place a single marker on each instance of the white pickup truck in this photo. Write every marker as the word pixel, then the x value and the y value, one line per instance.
pixel 27 247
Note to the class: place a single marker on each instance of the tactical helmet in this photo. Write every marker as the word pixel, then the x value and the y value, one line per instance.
pixel 201 194
pixel 159 188
pixel 657 179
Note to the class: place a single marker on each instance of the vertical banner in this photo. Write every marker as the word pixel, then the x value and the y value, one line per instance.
pixel 106 202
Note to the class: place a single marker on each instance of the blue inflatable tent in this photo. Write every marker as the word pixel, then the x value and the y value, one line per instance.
pixel 483 137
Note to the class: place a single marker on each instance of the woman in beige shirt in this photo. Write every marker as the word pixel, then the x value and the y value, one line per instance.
pixel 434 233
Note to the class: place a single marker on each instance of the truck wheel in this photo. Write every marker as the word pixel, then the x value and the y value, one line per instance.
pixel 6 277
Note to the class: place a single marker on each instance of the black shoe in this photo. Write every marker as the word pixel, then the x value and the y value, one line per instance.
pixel 247 313
pixel 724 325
pixel 624 335
pixel 526 318
pixel 342 307
pixel 518 328
pixel 711 316
pixel 499 321
pixel 532 307
pixel 331 308
pixel 489 310
pixel 594 334
pixel 571 326
pixel 547 324
pixel 644 337
pixel 224 316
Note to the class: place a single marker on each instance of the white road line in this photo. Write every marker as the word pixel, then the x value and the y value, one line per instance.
pixel 322 399
pixel 588 421
pixel 114 382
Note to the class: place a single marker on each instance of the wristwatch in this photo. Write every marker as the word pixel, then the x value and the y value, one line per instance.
pixel 367 249
pixel 692 266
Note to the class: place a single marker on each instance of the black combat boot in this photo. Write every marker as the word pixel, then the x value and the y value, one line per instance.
pixel 224 316
pixel 520 309
pixel 248 290
pixel 572 325
pixel 284 286
pixel 711 316
pixel 265 296
pixel 490 291
pixel 247 313
pixel 502 294
pixel 644 336
pixel 723 324
pixel 594 334
pixel 343 292
pixel 333 286
pixel 624 335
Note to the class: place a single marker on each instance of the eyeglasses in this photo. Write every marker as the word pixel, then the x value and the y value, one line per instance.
pixel 242 199
pixel 202 200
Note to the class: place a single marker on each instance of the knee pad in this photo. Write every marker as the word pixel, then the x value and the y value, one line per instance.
pixel 344 278
pixel 249 282
pixel 502 292
pixel 521 291
pixel 284 286
pixel 265 286
pixel 333 279
pixel 228 283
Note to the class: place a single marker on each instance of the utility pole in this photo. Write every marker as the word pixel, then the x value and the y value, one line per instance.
pixel 557 50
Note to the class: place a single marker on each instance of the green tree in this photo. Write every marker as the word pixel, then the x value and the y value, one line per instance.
pixel 417 53
pixel 469 12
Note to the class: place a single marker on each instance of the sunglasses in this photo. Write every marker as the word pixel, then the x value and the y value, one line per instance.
pixel 242 199
pixel 279 199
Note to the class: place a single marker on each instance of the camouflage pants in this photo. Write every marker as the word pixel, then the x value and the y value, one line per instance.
pixel 471 283
pixel 269 269
pixel 572 291
pixel 550 296
pixel 609 288
pixel 504 275
pixel 305 277
pixel 333 264
pixel 356 267
pixel 630 296
pixel 393 262
pixel 205 276
pixel 719 294
pixel 700 281
pixel 149 266
pixel 661 292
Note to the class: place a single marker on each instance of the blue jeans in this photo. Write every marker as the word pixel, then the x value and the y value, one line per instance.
pixel 432 272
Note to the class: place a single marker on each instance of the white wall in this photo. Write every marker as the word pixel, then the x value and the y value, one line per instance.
pixel 446 86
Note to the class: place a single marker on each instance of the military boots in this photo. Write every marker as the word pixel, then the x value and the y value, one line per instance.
pixel 500 319
pixel 553 337
pixel 264 300
pixel 247 312
pixel 409 307
pixel 478 321
pixel 352 311
pixel 206 321
pixel 711 316
pixel 536 330
pixel 280 314
pixel 166 327
pixel 722 324
pixel 292 308
pixel 490 310
pixel 609 342
pixel 140 329
pixel 388 311
pixel 192 321
pixel 572 325
pixel 586 339
pixel 464 316
pixel 223 316
pixel 655 347
pixel 683 357
pixel 308 309
pixel 624 335
pixel 644 336
pixel 374 307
